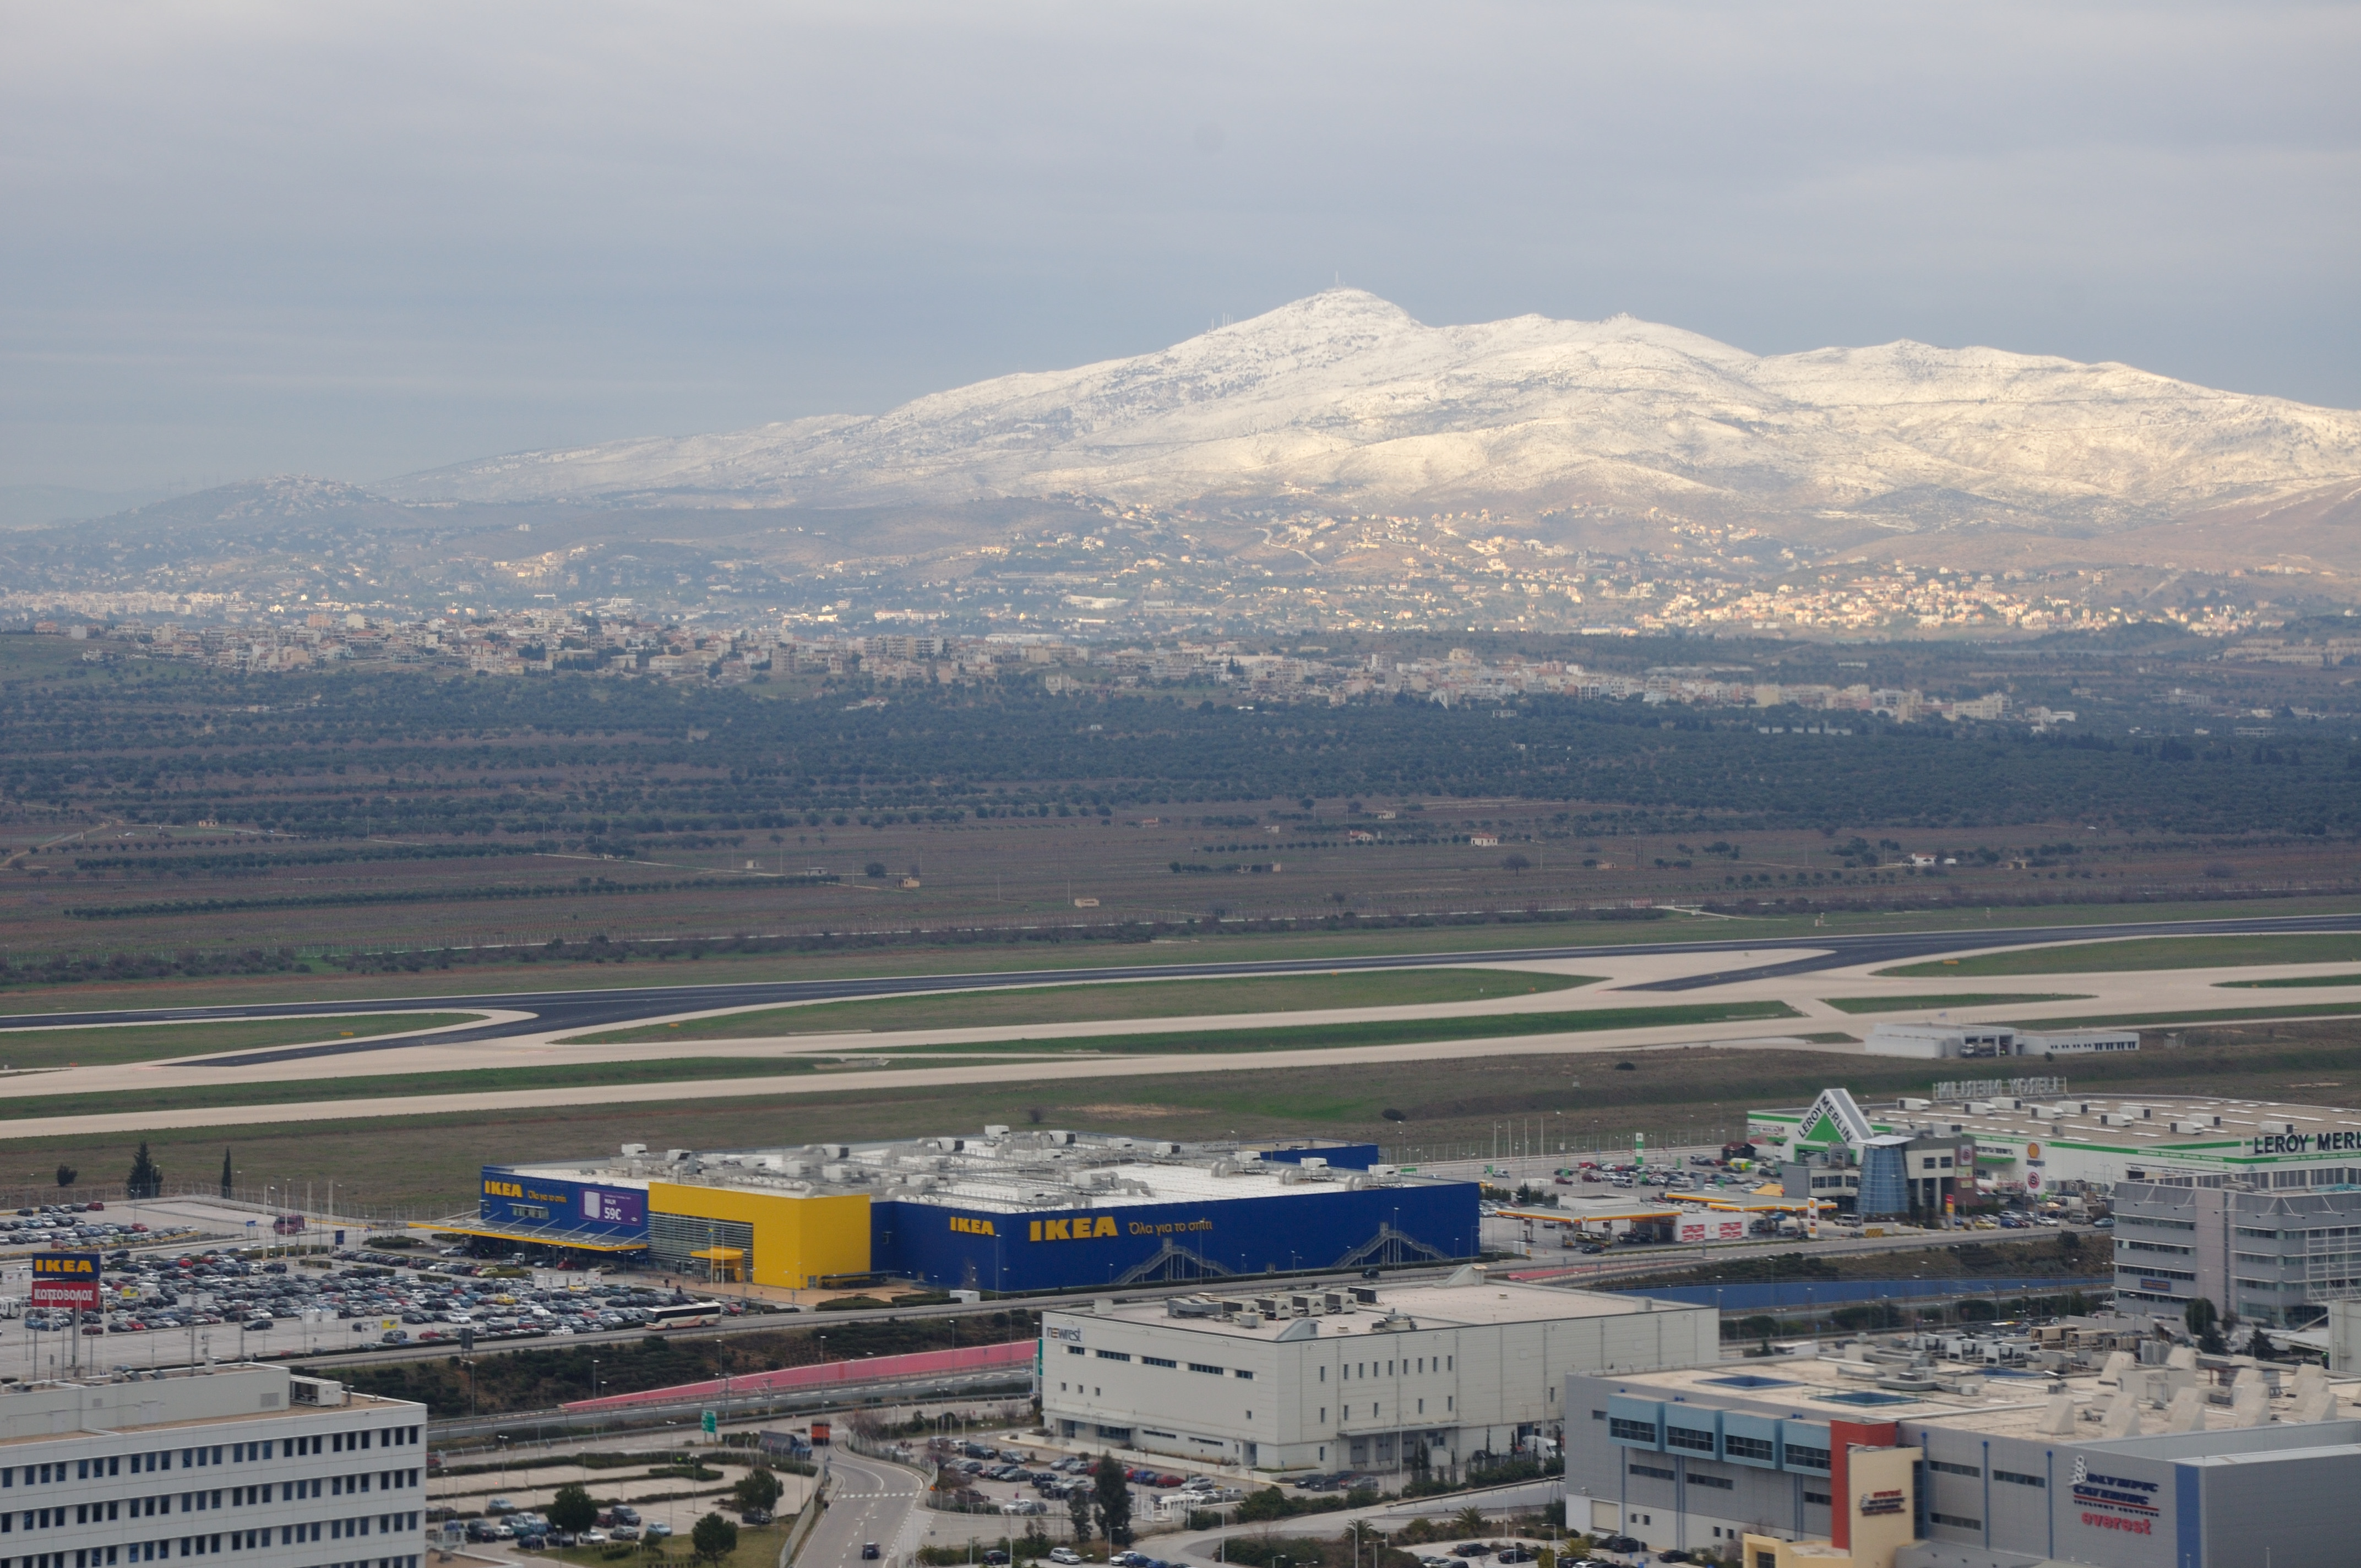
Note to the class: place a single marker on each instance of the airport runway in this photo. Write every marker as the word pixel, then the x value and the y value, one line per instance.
pixel 545 1015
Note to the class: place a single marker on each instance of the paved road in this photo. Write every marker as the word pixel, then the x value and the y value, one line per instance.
pixel 558 1011
pixel 869 1502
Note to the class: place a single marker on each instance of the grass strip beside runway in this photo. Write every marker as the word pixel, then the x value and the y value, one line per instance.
pixel 2286 982
pixel 2147 953
pixel 110 1047
pixel 1378 1032
pixel 1952 999
pixel 1107 1002
pixel 407 1085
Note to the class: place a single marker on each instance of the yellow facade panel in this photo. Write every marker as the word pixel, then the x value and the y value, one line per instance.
pixel 796 1239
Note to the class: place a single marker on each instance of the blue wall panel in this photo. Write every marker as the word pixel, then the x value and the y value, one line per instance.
pixel 1229 1238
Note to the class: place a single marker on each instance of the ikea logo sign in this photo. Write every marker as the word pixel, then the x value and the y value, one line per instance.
pixel 966 1226
pixel 1082 1228
pixel 77 1266
pixel 504 1190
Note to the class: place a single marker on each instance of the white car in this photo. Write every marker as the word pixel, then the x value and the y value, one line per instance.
pixel 1064 1555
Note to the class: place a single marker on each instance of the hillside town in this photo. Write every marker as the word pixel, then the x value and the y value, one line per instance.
pixel 546 643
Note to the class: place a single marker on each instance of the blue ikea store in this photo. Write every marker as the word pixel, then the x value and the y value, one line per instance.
pixel 1005 1213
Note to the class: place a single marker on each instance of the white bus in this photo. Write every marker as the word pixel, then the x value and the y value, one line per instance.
pixel 683 1315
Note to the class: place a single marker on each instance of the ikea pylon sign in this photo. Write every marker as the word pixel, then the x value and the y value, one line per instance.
pixel 65 1279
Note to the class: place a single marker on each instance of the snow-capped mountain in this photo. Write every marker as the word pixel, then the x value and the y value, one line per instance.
pixel 1343 398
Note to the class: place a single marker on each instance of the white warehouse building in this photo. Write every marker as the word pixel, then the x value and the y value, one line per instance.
pixel 282 1471
pixel 1382 1379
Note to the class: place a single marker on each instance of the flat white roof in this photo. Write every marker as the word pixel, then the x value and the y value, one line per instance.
pixel 1814 1388
pixel 1485 1303
pixel 2112 1120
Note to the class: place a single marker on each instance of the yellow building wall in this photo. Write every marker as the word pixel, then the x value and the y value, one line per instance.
pixel 797 1240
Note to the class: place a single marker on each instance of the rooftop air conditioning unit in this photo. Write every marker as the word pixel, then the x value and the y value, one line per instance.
pixel 633 1151
pixel 996 1131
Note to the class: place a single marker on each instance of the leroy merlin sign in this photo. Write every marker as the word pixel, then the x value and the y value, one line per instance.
pixel 1835 1119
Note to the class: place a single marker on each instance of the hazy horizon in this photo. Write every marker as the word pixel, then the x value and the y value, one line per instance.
pixel 366 242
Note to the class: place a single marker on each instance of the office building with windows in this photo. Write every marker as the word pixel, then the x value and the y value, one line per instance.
pixel 251 1465
pixel 2269 1254
pixel 1842 1463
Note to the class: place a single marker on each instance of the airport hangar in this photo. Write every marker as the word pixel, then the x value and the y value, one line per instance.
pixel 1008 1211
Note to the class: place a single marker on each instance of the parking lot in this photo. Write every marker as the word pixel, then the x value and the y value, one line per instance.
pixel 171 1307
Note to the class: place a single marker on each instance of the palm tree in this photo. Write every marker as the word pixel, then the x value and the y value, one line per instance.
pixel 1469 1520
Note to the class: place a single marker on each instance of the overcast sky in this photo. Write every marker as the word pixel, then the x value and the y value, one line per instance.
pixel 356 240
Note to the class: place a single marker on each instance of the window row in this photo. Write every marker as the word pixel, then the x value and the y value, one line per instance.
pixel 200 1456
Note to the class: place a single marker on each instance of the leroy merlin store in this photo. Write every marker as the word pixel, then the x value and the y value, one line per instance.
pixel 2030 1136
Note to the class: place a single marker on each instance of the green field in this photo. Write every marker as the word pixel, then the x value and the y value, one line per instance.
pixel 2293 981
pixel 409 1085
pixel 430 1162
pixel 2149 953
pixel 1315 1036
pixel 319 982
pixel 1093 1003
pixel 1378 1032
pixel 1951 998
pixel 2201 1015
pixel 159 1042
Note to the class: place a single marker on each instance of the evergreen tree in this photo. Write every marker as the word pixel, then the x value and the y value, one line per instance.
pixel 572 1507
pixel 713 1538
pixel 1113 1489
pixel 147 1177
pixel 758 1489
pixel 229 1177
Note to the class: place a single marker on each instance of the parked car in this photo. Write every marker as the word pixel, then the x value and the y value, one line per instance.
pixel 1066 1556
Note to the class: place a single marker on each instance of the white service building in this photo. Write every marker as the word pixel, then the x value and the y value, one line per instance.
pixel 1940 1042
pixel 277 1470
pixel 1370 1378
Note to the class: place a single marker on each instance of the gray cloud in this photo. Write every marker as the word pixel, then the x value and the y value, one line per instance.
pixel 365 240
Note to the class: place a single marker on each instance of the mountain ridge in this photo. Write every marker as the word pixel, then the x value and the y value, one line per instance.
pixel 1344 399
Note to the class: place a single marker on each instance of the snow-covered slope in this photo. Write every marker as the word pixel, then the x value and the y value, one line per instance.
pixel 1345 398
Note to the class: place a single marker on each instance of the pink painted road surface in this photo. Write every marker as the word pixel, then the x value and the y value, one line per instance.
pixel 869 1369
